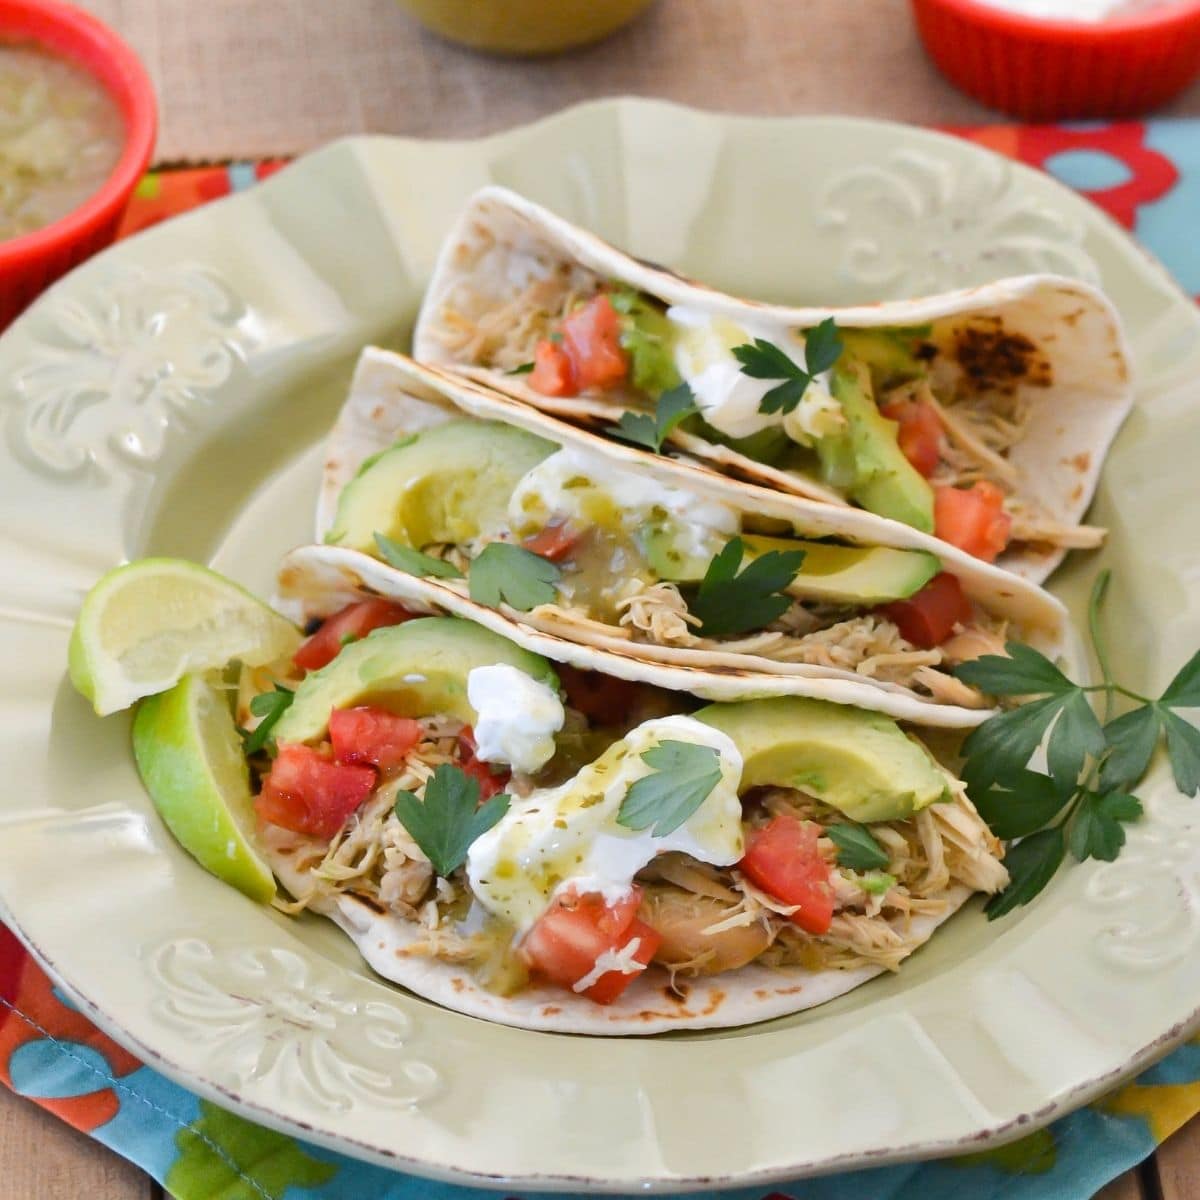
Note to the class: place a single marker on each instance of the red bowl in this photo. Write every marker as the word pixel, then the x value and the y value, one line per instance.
pixel 30 263
pixel 1053 70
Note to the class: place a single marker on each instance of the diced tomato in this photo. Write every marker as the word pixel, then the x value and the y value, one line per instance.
pixel 492 780
pixel 928 618
pixel 603 699
pixel 973 519
pixel 592 340
pixel 307 793
pixel 554 542
pixel 920 432
pixel 782 858
pixel 553 373
pixel 572 934
pixel 353 622
pixel 372 735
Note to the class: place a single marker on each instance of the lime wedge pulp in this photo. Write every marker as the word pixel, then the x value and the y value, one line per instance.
pixel 190 759
pixel 147 624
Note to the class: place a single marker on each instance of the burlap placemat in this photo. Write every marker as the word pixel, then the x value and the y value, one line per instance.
pixel 245 78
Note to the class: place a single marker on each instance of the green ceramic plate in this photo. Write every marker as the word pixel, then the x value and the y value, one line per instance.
pixel 169 398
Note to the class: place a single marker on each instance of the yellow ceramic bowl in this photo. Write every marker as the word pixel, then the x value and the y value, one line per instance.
pixel 524 26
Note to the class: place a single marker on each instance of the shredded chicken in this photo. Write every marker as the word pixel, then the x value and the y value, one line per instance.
pixel 964 439
pixel 490 331
pixel 1029 524
pixel 661 612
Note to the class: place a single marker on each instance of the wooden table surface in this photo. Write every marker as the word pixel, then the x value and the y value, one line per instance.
pixel 267 77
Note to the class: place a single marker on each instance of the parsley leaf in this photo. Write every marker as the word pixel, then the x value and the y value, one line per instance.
pixel 1021 671
pixel 413 562
pixel 1096 830
pixel 514 575
pixel 1022 804
pixel 523 369
pixel 728 603
pixel 1183 749
pixel 857 849
pixel 673 407
pixel 761 359
pixel 1076 736
pixel 270 706
pixel 1003 745
pixel 1131 743
pixel 450 818
pixel 822 347
pixel 1184 690
pixel 1031 865
pixel 685 775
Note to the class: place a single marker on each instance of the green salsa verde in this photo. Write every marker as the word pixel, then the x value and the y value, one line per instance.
pixel 61 135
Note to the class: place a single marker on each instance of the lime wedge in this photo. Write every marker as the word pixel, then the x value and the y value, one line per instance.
pixel 147 624
pixel 190 759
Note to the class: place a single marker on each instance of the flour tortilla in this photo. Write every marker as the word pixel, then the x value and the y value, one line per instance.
pixel 649 1005
pixel 502 239
pixel 393 396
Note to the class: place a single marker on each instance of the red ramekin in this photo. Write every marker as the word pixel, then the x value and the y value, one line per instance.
pixel 30 263
pixel 1043 70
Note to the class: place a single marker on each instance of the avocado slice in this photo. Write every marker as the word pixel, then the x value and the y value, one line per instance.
pixel 861 763
pixel 890 353
pixel 866 460
pixel 859 575
pixel 447 484
pixel 417 669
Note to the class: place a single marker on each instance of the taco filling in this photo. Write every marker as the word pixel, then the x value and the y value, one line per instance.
pixel 540 826
pixel 583 546
pixel 912 423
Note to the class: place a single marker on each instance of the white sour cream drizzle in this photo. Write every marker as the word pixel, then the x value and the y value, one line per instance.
pixel 517 717
pixel 568 836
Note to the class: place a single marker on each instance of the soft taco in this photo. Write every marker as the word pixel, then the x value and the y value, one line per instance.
pixel 557 849
pixel 983 415
pixel 551 532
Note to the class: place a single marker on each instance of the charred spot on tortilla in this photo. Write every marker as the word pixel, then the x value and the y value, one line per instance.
pixel 996 359
pixel 1081 462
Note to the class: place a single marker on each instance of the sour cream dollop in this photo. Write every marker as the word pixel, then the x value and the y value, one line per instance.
pixel 574 483
pixel 568 836
pixel 1084 11
pixel 518 717
pixel 728 399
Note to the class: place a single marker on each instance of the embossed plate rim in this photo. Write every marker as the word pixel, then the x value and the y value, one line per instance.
pixel 367 168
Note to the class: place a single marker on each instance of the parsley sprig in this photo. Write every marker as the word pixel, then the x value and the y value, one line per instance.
pixel 270 706
pixel 450 818
pixel 1083 801
pixel 684 777
pixel 641 429
pixel 729 603
pixel 761 359
pixel 513 575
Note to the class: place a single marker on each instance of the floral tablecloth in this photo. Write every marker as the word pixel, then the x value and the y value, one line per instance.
pixel 1147 176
